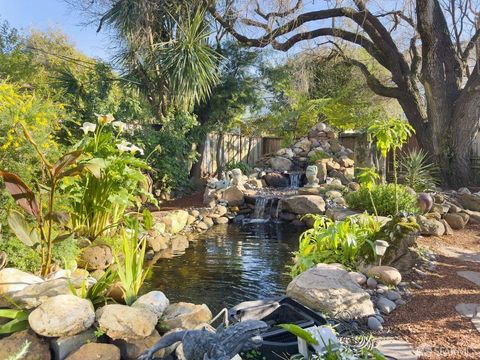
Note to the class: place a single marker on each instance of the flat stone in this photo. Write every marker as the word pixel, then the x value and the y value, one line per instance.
pixel 97 352
pixel 63 346
pixel 473 276
pixel 386 306
pixel 186 315
pixel 398 349
pixel 374 324
pixel 359 278
pixel 467 309
pixel 15 280
pixel 155 301
pixel 38 349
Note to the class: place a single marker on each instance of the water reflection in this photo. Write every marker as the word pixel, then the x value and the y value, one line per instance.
pixel 229 264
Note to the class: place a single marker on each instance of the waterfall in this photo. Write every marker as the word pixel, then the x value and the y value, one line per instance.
pixel 260 206
pixel 294 180
pixel 278 209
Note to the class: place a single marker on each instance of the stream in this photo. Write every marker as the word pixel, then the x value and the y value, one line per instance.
pixel 229 264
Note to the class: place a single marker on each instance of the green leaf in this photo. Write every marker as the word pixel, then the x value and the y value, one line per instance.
pixel 14 314
pixel 65 161
pixel 20 227
pixel 147 219
pixel 14 326
pixel 299 332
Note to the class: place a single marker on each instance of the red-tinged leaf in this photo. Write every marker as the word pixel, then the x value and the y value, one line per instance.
pixel 21 193
pixel 65 161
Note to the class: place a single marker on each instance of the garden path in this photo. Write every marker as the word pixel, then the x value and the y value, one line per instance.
pixel 441 319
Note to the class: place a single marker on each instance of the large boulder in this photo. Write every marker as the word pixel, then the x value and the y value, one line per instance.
pixel 304 204
pixel 430 226
pixel 12 280
pixel 37 350
pixel 97 257
pixel 385 274
pixel 304 144
pixel 331 289
pixel 35 294
pixel 175 221
pixel 234 196
pixel 276 180
pixel 469 201
pixel 96 351
pixel 281 163
pixel 126 322
pixel 455 220
pixel 186 316
pixel 155 301
pixel 62 315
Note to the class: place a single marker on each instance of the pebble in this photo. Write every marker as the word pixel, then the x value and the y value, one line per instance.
pixel 372 283
pixel 400 302
pixel 380 318
pixel 393 295
pixel 374 324
pixel 386 306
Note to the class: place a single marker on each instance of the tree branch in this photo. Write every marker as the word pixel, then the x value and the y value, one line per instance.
pixel 273 14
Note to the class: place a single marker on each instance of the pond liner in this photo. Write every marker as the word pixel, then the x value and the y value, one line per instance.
pixel 277 342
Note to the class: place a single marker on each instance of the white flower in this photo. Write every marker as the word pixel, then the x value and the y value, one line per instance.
pixel 134 149
pixel 105 119
pixel 119 125
pixel 88 127
pixel 124 146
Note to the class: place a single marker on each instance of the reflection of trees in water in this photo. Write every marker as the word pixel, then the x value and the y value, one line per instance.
pixel 229 264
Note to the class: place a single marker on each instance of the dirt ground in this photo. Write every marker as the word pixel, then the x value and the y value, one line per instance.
pixel 429 320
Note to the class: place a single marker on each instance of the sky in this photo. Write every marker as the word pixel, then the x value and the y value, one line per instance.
pixel 45 14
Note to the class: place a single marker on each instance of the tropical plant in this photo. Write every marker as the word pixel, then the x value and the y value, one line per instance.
pixel 99 198
pixel 18 320
pixel 390 134
pixel 417 172
pixel 49 226
pixel 96 292
pixel 368 178
pixel 130 260
pixel 388 198
pixel 345 242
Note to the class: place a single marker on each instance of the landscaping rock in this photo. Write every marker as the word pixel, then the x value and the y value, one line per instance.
pixel 276 180
pixel 63 346
pixel 304 204
pixel 430 226
pixel 393 295
pixel 339 214
pixel 221 220
pixel 179 243
pixel 37 350
pixel 175 221
pixel 455 220
pixel 12 280
pixel 469 201
pixel 97 257
pixel 131 349
pixel 330 289
pixel 372 283
pixel 126 322
pixel 62 315
pixel 155 301
pixel 386 306
pixel 374 324
pixel 281 163
pixel 186 316
pixel 34 295
pixel 95 351
pixel 234 196
pixel 448 229
pixel 359 278
pixel 159 242
pixel 385 274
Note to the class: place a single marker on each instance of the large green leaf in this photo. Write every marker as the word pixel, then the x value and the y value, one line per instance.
pixel 65 161
pixel 299 332
pixel 20 227
pixel 13 326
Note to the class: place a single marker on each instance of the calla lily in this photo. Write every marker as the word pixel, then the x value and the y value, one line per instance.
pixel 105 119
pixel 119 125
pixel 134 149
pixel 88 127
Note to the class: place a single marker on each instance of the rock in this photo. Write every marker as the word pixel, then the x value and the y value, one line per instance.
pixel 234 196
pixel 285 152
pixel 286 216
pixel 345 161
pixel 276 180
pixel 175 221
pixel 448 229
pixel 304 204
pixel 12 280
pixel 330 289
pixel 34 295
pixel 393 295
pixel 424 202
pixel 179 243
pixel 454 208
pixel 126 322
pixel 353 186
pixel 339 214
pixel 221 220
pixel 430 226
pixel 37 350
pixel 281 163
pixel 98 257
pixel 115 291
pixel 469 201
pixel 96 351
pixel 333 194
pixel 304 144
pixel 202 226
pixel 220 210
pixel 372 283
pixel 191 219
pixel 438 208
pixel 131 349
pixel 186 316
pixel 159 242
pixel 374 324
pixel 385 274
pixel 359 278
pixel 464 190
pixel 63 346
pixel 455 220
pixel 62 315
pixel 322 171
pixel 208 221
pixel 385 306
pixel 155 301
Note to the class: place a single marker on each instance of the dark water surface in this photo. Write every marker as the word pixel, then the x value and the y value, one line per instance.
pixel 229 264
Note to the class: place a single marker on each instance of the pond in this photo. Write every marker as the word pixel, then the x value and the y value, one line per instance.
pixel 229 264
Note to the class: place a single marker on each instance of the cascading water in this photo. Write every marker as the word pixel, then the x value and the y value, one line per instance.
pixel 294 180
pixel 260 206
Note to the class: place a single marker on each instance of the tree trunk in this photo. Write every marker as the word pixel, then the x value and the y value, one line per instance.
pixel 196 170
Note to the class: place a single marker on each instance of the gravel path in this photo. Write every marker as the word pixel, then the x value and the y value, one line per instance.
pixel 430 320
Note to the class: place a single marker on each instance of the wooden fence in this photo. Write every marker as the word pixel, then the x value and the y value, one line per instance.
pixel 222 149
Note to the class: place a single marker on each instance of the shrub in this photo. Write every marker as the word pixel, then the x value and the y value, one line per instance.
pixel 384 199
pixel 417 172
pixel 345 242
pixel 20 256
pixel 318 155
pixel 246 169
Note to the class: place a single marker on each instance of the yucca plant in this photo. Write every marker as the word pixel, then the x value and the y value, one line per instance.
pixel 417 172
pixel 130 261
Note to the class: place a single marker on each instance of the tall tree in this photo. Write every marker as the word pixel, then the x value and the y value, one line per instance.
pixel 433 77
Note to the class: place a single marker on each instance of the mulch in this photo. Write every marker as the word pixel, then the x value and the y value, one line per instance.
pixel 429 320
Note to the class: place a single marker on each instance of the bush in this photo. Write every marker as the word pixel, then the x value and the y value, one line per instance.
pixel 246 169
pixel 384 198
pixel 417 172
pixel 318 155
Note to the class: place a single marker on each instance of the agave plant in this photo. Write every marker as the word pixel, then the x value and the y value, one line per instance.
pixel 417 172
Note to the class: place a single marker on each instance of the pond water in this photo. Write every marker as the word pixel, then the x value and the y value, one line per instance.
pixel 229 264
